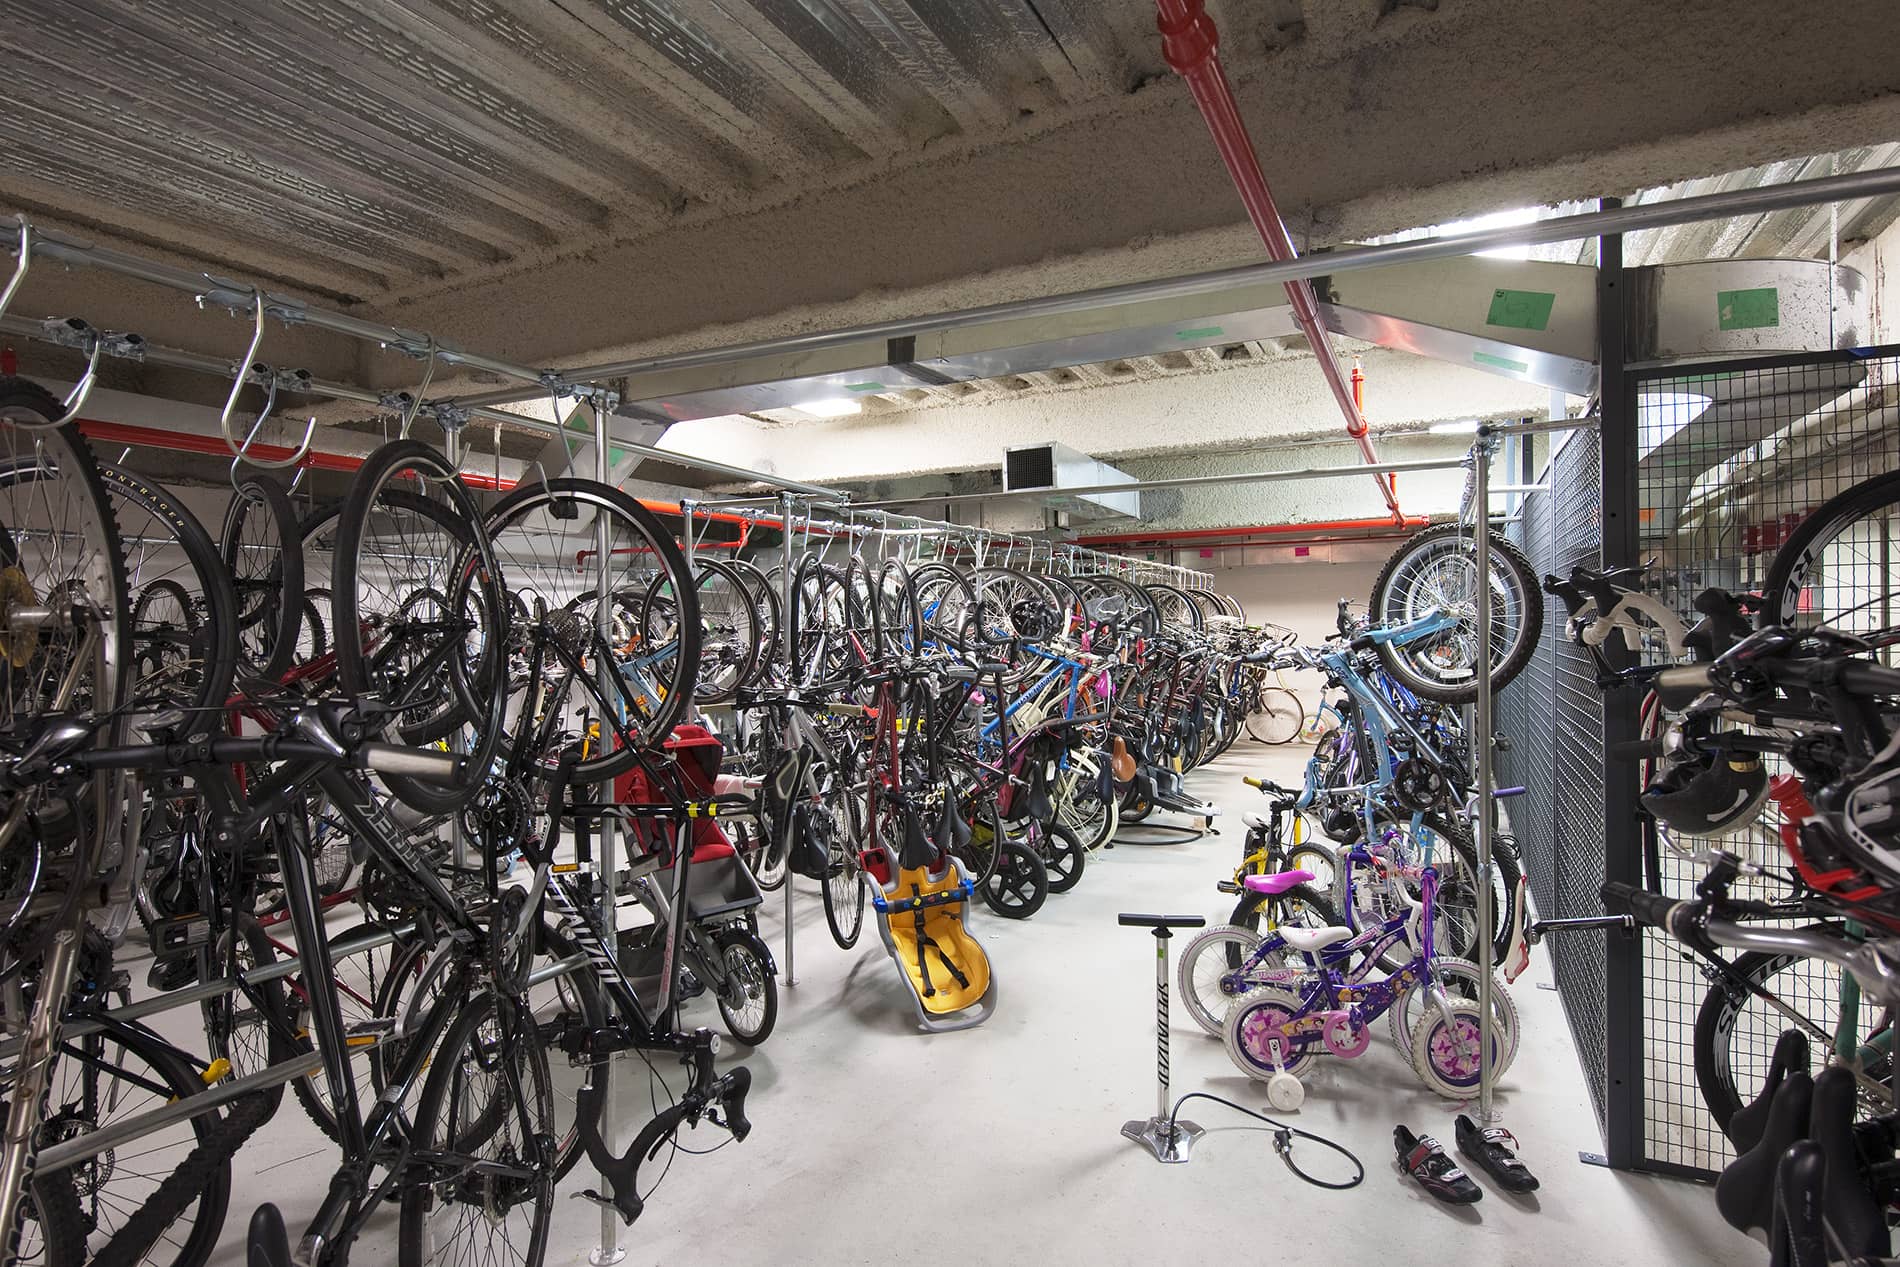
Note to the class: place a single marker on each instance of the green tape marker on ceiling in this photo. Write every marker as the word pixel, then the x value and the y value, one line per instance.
pixel 1501 363
pixel 1204 332
pixel 864 387
pixel 1748 309
pixel 1521 309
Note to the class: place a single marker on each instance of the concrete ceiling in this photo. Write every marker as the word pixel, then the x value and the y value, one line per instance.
pixel 557 183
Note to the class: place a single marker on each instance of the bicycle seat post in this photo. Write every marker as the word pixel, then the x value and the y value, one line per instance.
pixel 1168 1140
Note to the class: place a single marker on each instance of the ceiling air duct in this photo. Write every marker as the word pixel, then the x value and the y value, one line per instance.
pixel 1038 468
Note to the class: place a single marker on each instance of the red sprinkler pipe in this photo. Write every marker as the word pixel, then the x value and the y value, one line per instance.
pixel 1191 45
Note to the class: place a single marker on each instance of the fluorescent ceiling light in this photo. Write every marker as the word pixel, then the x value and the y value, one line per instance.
pixel 1463 427
pixel 836 407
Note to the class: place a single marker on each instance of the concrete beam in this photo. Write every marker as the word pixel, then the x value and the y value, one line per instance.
pixel 1367 134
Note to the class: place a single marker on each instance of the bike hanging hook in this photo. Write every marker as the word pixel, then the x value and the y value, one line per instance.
pixel 74 333
pixel 414 406
pixel 241 452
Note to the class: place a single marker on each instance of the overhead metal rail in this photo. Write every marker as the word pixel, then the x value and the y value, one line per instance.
pixel 33 243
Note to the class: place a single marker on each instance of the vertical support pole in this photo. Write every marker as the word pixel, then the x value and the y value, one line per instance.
pixel 1623 952
pixel 1482 726
pixel 609 1250
pixel 786 639
pixel 29 1088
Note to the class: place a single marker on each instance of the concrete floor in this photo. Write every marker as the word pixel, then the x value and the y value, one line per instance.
pixel 874 1143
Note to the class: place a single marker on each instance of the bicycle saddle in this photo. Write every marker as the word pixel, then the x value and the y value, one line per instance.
pixel 1748 1122
pixel 1278 882
pixel 1309 940
pixel 1852 1214
pixel 1744 1195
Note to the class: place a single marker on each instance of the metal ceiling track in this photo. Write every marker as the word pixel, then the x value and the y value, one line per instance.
pixel 34 243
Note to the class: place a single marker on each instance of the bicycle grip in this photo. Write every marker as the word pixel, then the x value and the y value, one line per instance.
pixel 1258 785
pixel 1678 687
pixel 1645 907
pixel 1635 749
pixel 426 764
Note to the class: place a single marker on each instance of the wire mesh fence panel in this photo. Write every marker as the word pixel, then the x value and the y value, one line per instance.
pixel 1552 716
pixel 1731 459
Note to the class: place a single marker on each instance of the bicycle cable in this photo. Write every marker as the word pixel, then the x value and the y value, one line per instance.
pixel 1283 1136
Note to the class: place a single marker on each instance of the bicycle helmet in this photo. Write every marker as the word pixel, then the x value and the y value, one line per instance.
pixel 1033 619
pixel 1706 796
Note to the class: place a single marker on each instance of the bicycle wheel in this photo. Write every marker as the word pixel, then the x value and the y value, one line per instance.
pixel 1435 571
pixel 261 545
pixel 421 615
pixel 1093 817
pixel 1837 568
pixel 361 995
pixel 1062 853
pixel 1460 979
pixel 845 885
pixel 539 531
pixel 1278 716
pixel 59 548
pixel 894 607
pixel 1018 883
pixel 766 603
pixel 96 1081
pixel 184 623
pixel 946 607
pixel 573 1000
pixel 729 635
pixel 483 1189
pixel 748 1004
pixel 1736 1029
pixel 1208 978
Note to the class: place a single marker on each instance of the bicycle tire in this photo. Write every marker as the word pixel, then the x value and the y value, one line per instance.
pixel 268 583
pixel 1456 682
pixel 1730 1066
pixel 768 603
pixel 579 1002
pixel 844 914
pixel 216 630
pixel 472 575
pixel 1063 856
pixel 754 967
pixel 436 1134
pixel 1804 553
pixel 1279 717
pixel 33 678
pixel 729 633
pixel 1018 885
pixel 65 1222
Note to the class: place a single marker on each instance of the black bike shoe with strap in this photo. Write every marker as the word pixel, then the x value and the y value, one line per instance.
pixel 1438 1174
pixel 1488 1149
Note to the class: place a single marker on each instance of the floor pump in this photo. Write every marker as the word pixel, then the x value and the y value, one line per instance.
pixel 1167 1139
